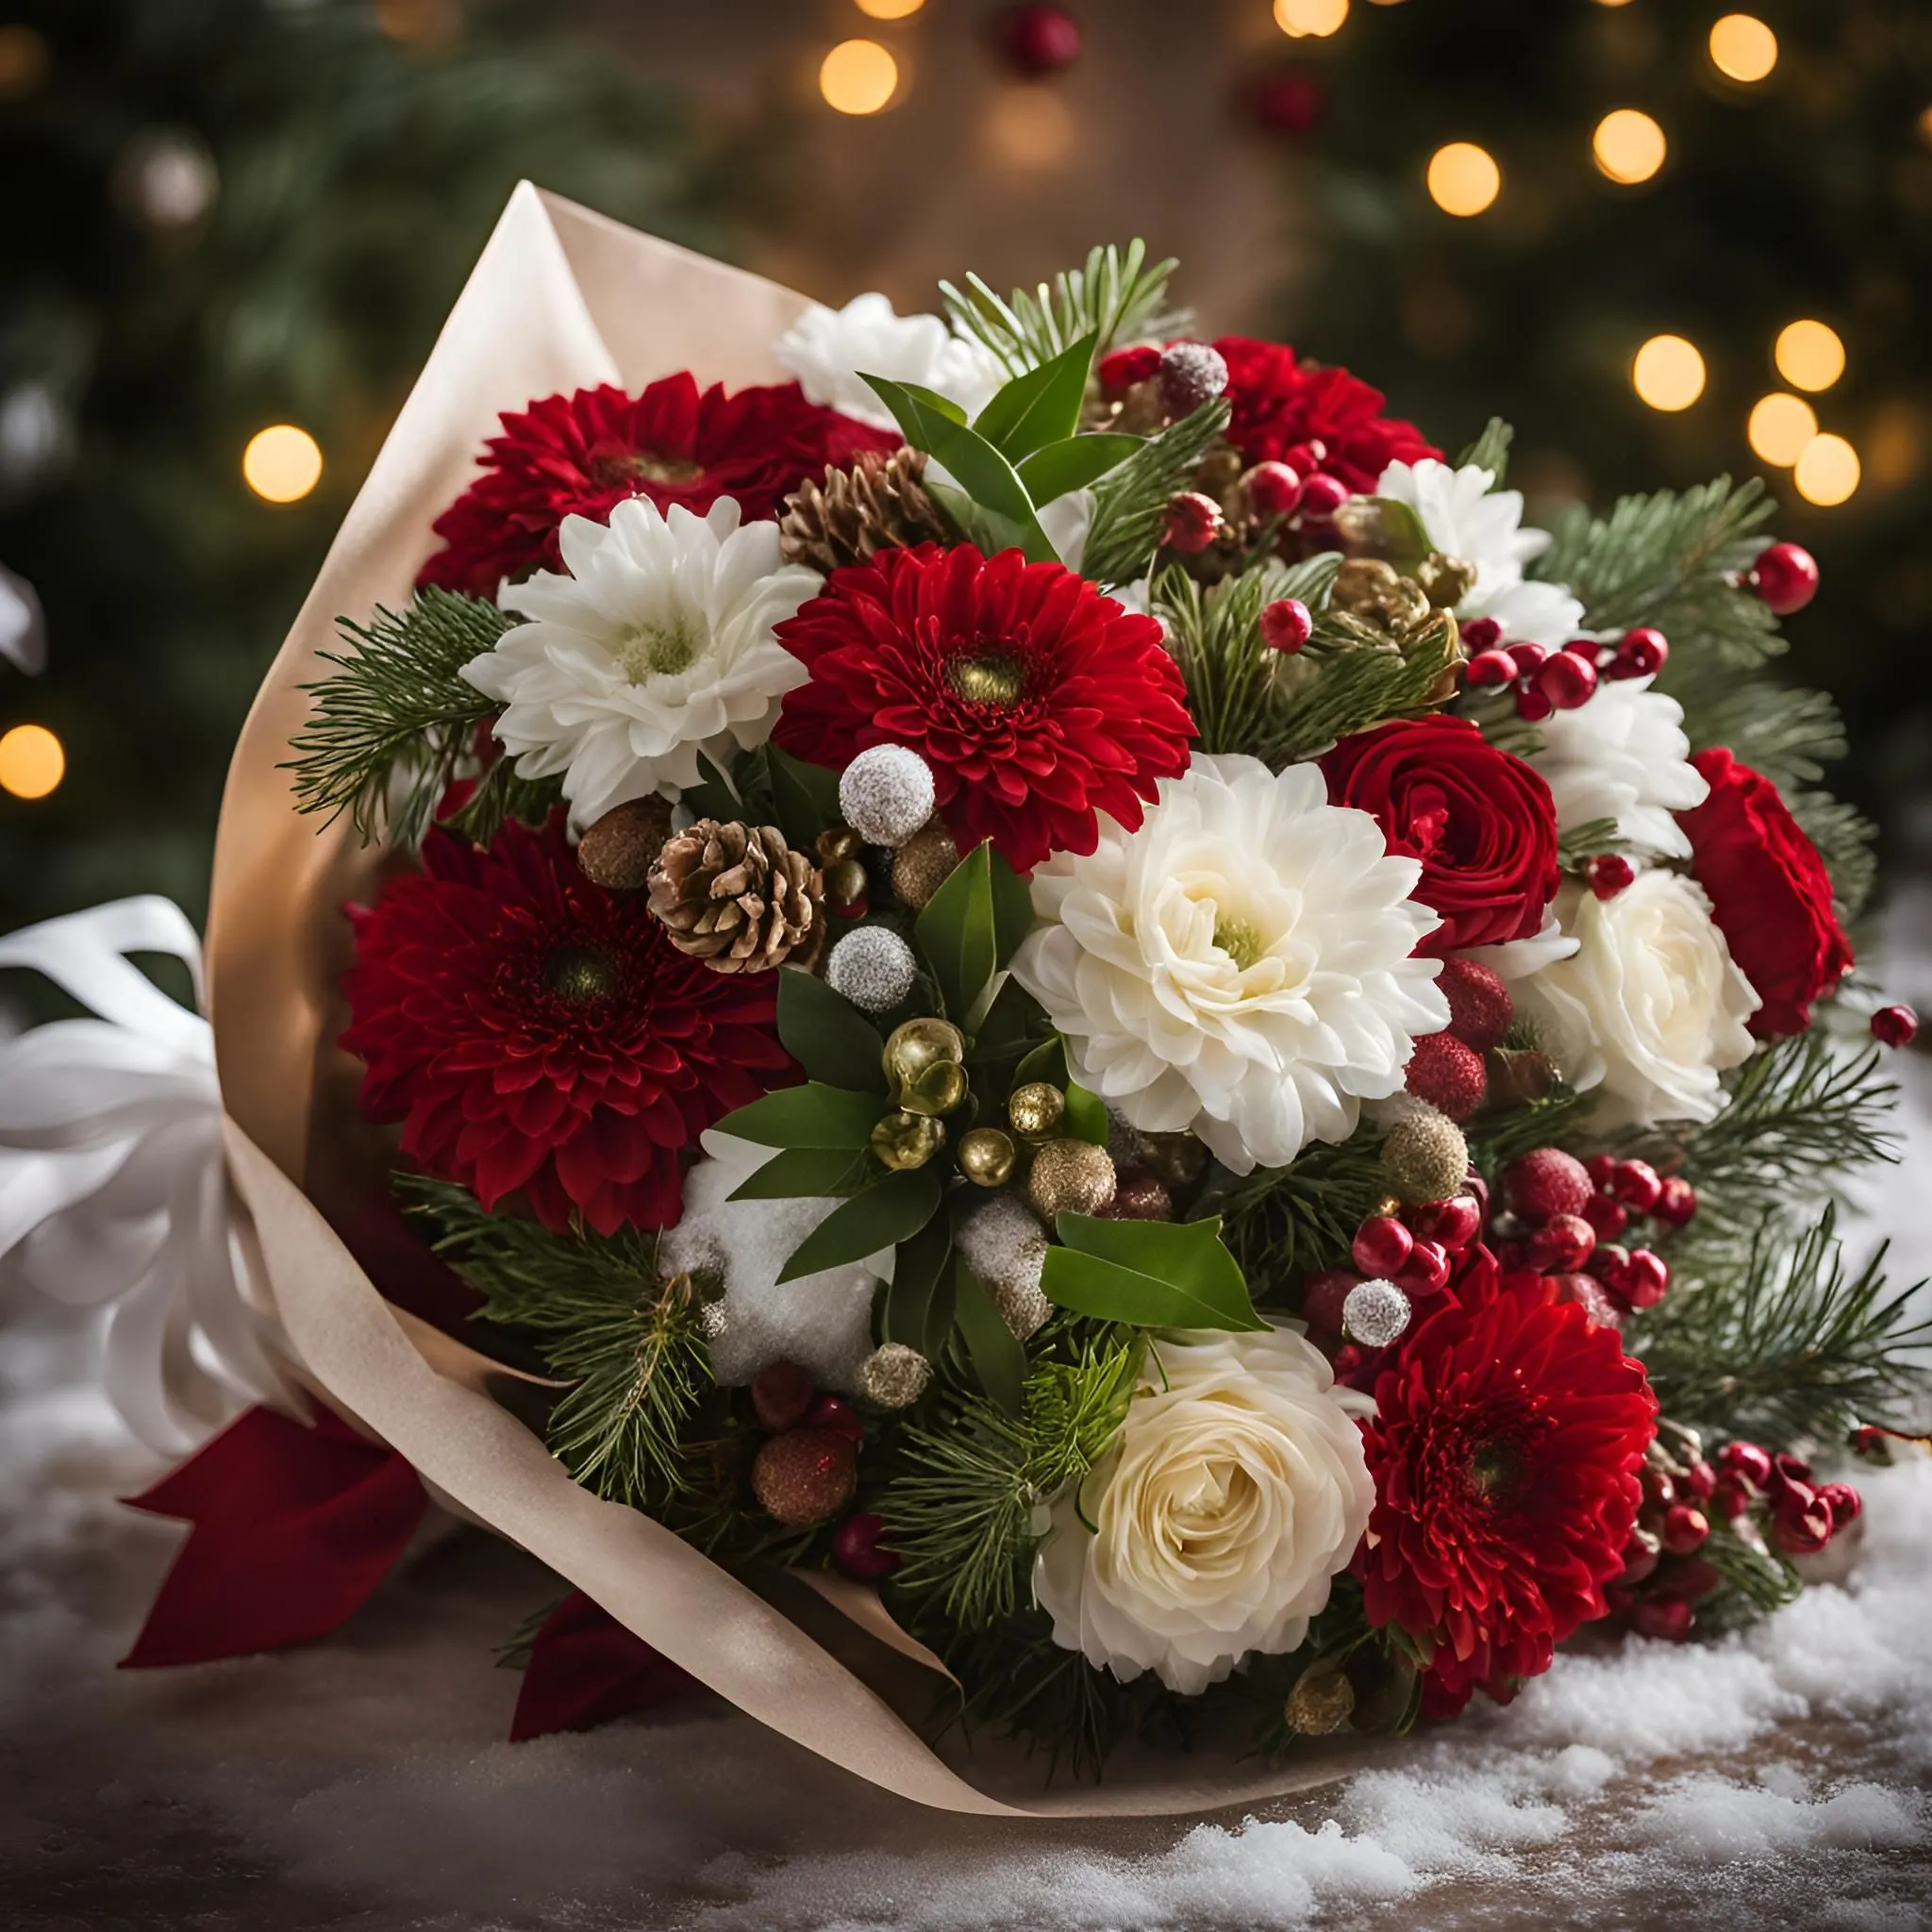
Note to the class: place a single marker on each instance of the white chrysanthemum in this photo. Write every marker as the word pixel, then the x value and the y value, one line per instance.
pixel 1465 516
pixel 1235 1493
pixel 1518 958
pixel 1241 965
pixel 826 348
pixel 1622 755
pixel 1651 1008
pixel 657 645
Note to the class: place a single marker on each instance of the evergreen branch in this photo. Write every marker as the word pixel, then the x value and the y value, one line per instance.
pixel 1757 1581
pixel 1120 295
pixel 1583 842
pixel 1131 502
pixel 1496 1139
pixel 1843 836
pixel 1490 451
pixel 1338 686
pixel 395 713
pixel 1789 735
pixel 1216 637
pixel 598 1314
pixel 1285 1222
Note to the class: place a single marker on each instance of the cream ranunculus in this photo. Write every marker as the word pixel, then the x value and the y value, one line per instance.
pixel 1651 1006
pixel 1235 1493
pixel 1240 966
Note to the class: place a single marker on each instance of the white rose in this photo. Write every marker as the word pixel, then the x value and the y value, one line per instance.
pixel 1235 1493
pixel 826 348
pixel 1651 1006
pixel 1622 755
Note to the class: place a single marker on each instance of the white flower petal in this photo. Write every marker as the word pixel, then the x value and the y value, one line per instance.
pixel 826 348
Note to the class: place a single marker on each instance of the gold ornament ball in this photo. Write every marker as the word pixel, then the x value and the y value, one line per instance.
pixel 1070 1177
pixel 620 850
pixel 1445 580
pixel 937 1090
pixel 1035 1109
pixel 987 1156
pixel 917 1044
pixel 845 882
pixel 1322 1702
pixel 906 1141
pixel 1023 1305
pixel 806 1476
pixel 841 843
pixel 894 1375
pixel 923 864
pixel 1426 1157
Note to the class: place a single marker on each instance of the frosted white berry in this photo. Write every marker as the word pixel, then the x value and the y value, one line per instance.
pixel 1375 1313
pixel 886 794
pixel 873 967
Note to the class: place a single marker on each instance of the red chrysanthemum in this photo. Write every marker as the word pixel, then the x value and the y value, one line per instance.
pixel 581 455
pixel 1279 402
pixel 1509 1434
pixel 535 1033
pixel 1037 702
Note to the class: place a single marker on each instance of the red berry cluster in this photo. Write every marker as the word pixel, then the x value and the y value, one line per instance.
pixel 1799 1514
pixel 807 1469
pixel 1545 680
pixel 1447 1069
pixel 1663 1575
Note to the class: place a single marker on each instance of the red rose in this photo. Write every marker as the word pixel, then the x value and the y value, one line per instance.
pixel 1482 823
pixel 1769 891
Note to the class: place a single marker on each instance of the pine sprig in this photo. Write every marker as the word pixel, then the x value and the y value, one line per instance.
pixel 1118 292
pixel 1282 1224
pixel 593 1305
pixel 1843 836
pixel 1131 502
pixel 1490 451
pixel 394 721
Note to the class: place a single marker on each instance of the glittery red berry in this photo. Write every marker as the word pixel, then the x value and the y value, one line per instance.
pixel 1481 1008
pixel 1490 671
pixel 1285 625
pixel 1609 873
pixel 1894 1025
pixel 1546 1182
pixel 1192 522
pixel 1786 576
pixel 806 1475
pixel 1480 634
pixel 1446 1074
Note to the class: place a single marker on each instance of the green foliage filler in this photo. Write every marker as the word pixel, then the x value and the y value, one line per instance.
pixel 1118 298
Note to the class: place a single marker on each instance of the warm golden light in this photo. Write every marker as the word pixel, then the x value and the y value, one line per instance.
pixel 1463 178
pixel 889 9
pixel 24 62
pixel 1613 3
pixel 1629 146
pixel 1030 127
pixel 1826 471
pixel 1809 354
pixel 1780 426
pixel 282 463
pixel 1310 19
pixel 1743 47
pixel 1925 125
pixel 859 77
pixel 1667 372
pixel 32 761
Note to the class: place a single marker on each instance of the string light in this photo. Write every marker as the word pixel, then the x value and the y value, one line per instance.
pixel 1463 178
pixel 32 761
pixel 889 9
pixel 1826 471
pixel 1780 426
pixel 1629 146
pixel 1742 48
pixel 1667 372
pixel 1310 19
pixel 1809 354
pixel 859 77
pixel 282 464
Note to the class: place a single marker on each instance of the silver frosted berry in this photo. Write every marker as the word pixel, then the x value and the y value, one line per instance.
pixel 886 794
pixel 873 967
pixel 1375 1314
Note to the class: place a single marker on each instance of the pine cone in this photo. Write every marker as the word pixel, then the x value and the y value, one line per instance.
pixel 738 898
pixel 881 503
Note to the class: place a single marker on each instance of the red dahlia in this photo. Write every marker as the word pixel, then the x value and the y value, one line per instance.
pixel 581 455
pixel 535 1033
pixel 1279 402
pixel 1509 1434
pixel 1037 701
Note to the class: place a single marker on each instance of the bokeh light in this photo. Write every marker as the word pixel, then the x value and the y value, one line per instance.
pixel 24 62
pixel 1780 426
pixel 1629 146
pixel 32 761
pixel 1310 19
pixel 1463 178
pixel 859 77
pixel 1809 354
pixel 889 9
pixel 1667 372
pixel 1743 47
pixel 1826 471
pixel 1030 127
pixel 282 464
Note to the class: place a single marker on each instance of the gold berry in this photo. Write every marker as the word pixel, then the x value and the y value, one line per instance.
pixel 904 1140
pixel 1070 1177
pixel 1035 1109
pixel 987 1156
pixel 917 1044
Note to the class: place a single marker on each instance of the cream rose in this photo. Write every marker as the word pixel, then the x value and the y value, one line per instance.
pixel 1236 1491
pixel 1651 1006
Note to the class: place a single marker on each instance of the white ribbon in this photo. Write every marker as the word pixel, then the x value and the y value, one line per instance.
pixel 113 1188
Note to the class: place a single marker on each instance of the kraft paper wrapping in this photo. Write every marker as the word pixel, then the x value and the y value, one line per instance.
pixel 560 299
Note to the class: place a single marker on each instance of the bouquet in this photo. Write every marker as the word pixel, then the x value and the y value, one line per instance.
pixel 1048 977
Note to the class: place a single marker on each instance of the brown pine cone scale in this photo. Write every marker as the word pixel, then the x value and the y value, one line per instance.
pixel 881 503
pixel 738 898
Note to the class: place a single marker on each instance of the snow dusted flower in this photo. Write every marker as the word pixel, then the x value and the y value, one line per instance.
pixel 656 646
pixel 1466 516
pixel 1651 1006
pixel 1236 1491
pixel 1240 965
pixel 1622 755
pixel 825 349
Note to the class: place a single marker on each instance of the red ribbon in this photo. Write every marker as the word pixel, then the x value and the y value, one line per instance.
pixel 294 1528
pixel 585 1669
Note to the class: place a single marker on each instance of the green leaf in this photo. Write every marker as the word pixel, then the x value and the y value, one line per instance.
pixel 805 797
pixel 971 926
pixel 826 1034
pixel 1086 1115
pixel 1001 1039
pixel 888 1213
pixel 806 1170
pixel 808 1116
pixel 1075 463
pixel 1150 1273
pixel 1047 1062
pixel 712 796
pixel 1042 407
pixel 919 1299
pixel 996 1355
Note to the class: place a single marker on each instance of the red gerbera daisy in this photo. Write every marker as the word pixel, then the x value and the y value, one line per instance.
pixel 580 454
pixel 534 1032
pixel 1278 402
pixel 1037 701
pixel 1509 1434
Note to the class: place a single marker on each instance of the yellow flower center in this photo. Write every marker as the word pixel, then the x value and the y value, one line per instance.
pixel 656 650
